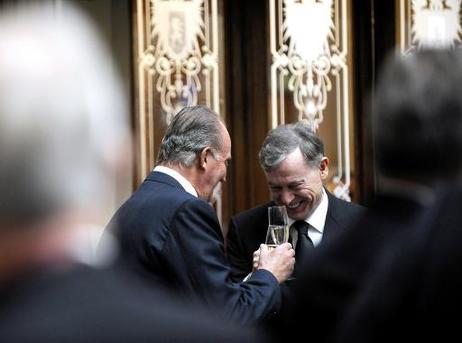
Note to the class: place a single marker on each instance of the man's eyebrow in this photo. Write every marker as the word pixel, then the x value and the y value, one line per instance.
pixel 296 182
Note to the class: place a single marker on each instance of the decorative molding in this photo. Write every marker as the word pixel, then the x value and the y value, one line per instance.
pixel 429 24
pixel 184 45
pixel 306 54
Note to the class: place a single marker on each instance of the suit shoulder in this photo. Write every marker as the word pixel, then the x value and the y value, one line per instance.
pixel 151 200
pixel 346 204
pixel 195 204
pixel 160 194
pixel 355 207
pixel 252 214
pixel 345 209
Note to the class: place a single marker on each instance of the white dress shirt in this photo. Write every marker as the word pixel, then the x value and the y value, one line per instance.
pixel 317 221
pixel 188 187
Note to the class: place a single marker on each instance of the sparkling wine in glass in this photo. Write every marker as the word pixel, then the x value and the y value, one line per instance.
pixel 278 229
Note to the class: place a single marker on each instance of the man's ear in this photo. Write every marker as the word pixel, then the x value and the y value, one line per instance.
pixel 203 156
pixel 324 168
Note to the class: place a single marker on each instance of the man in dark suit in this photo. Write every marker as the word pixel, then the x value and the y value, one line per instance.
pixel 62 135
pixel 169 232
pixel 292 157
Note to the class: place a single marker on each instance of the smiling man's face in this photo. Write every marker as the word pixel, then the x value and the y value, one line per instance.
pixel 297 185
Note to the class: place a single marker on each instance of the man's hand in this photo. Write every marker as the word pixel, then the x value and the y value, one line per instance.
pixel 279 261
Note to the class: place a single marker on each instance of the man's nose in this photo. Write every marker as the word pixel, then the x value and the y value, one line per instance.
pixel 286 197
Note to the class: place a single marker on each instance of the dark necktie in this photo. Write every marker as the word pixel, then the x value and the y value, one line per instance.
pixel 304 243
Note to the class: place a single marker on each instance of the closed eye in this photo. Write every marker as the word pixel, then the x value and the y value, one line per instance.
pixel 275 188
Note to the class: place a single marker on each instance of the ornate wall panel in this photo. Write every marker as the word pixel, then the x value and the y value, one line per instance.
pixel 310 77
pixel 429 23
pixel 178 63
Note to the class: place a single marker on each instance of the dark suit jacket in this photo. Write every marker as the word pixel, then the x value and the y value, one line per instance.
pixel 247 231
pixel 338 269
pixel 414 288
pixel 85 305
pixel 176 238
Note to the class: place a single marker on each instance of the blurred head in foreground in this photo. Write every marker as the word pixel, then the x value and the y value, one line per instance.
pixel 418 116
pixel 61 127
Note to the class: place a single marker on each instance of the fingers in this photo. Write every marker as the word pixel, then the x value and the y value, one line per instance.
pixel 286 247
pixel 256 259
pixel 263 248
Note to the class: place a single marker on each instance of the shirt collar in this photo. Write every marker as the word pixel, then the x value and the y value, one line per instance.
pixel 317 219
pixel 188 187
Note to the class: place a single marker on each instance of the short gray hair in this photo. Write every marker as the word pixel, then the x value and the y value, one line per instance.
pixel 191 130
pixel 284 139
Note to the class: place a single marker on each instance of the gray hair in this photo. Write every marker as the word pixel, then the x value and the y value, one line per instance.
pixel 61 113
pixel 191 130
pixel 418 114
pixel 284 139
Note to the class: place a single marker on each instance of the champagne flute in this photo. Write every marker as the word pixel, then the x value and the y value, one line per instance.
pixel 278 228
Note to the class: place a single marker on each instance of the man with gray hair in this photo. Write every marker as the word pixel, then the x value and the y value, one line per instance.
pixel 62 142
pixel 168 231
pixel 292 157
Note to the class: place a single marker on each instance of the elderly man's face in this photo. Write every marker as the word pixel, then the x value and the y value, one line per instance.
pixel 216 167
pixel 297 185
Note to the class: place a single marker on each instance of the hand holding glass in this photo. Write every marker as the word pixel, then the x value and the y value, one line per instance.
pixel 278 229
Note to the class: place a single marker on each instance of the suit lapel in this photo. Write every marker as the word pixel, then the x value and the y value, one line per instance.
pixel 333 222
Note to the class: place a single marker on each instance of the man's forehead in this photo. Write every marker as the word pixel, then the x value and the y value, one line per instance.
pixel 283 179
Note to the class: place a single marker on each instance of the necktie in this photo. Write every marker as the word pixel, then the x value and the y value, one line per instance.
pixel 304 243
